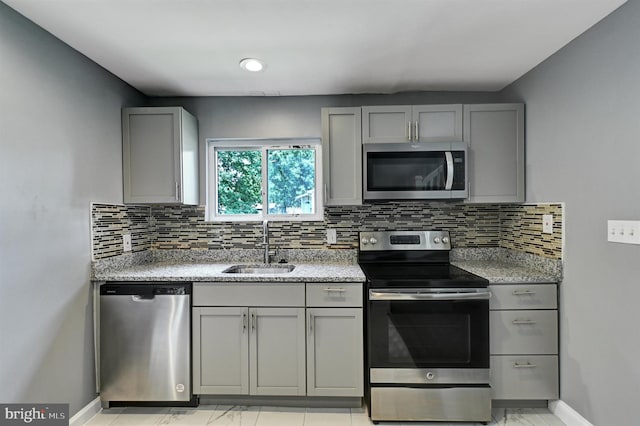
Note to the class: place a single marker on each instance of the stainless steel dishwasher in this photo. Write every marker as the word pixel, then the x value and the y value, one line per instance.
pixel 145 344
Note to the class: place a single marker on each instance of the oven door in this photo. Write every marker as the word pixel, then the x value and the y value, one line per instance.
pixel 428 328
pixel 414 171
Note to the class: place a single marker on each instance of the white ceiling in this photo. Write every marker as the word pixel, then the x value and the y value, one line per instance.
pixel 193 47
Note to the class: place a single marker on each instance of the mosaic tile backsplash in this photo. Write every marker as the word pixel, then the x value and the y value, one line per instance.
pixel 516 227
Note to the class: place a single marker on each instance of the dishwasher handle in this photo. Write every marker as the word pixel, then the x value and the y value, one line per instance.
pixel 143 297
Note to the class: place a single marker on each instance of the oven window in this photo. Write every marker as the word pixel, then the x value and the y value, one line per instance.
pixel 444 334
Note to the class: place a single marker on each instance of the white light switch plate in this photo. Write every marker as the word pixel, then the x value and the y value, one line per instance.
pixel 623 231
pixel 332 237
pixel 547 223
pixel 126 242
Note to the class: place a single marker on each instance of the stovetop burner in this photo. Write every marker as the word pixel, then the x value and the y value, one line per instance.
pixel 411 259
pixel 413 275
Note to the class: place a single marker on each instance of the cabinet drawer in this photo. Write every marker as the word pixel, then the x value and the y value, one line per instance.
pixel 524 332
pixel 334 294
pixel 248 294
pixel 523 296
pixel 524 377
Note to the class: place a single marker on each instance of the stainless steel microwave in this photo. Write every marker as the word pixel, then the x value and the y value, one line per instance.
pixel 405 171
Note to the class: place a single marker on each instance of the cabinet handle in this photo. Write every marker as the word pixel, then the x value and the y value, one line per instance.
pixel 408 132
pixel 244 322
pixel 416 134
pixel 527 365
pixel 177 191
pixel 523 321
pixel 310 324
pixel 325 193
pixel 253 322
pixel 336 290
pixel 523 292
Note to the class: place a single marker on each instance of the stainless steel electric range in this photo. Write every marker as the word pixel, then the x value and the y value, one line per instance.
pixel 427 330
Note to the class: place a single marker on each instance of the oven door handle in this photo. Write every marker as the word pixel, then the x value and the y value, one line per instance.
pixel 430 295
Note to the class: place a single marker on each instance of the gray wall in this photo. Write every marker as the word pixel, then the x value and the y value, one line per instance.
pixel 583 147
pixel 60 144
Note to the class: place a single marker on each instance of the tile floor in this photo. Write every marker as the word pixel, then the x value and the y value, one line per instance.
pixel 285 416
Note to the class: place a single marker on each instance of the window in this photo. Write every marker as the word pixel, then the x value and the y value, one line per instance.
pixel 271 179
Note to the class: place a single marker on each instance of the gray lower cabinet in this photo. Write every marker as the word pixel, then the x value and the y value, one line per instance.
pixel 335 358
pixel 220 350
pixel 159 155
pixel 342 156
pixel 494 134
pixel 249 350
pixel 524 341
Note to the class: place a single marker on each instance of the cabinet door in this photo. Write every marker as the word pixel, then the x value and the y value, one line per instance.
pixel 335 352
pixel 151 155
pixel 495 137
pixel 220 351
pixel 277 351
pixel 437 123
pixel 386 124
pixel 342 156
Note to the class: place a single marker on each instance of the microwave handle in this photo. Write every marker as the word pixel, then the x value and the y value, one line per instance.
pixel 449 183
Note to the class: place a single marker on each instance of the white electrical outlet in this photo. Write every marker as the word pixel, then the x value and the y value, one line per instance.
pixel 547 223
pixel 332 237
pixel 623 231
pixel 126 242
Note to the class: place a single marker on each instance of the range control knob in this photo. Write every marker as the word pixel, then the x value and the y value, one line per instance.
pixel 430 375
pixel 436 240
pixel 372 240
pixel 445 240
pixel 364 241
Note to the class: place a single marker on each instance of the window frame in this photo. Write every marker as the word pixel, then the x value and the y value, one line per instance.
pixel 262 145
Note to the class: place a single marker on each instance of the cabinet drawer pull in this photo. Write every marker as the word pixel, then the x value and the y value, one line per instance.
pixel 523 321
pixel 523 292
pixel 334 290
pixel 527 365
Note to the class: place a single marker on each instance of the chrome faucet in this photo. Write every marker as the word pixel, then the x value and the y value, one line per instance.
pixel 265 240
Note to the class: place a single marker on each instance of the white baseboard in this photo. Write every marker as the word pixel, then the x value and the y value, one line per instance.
pixel 568 415
pixel 86 413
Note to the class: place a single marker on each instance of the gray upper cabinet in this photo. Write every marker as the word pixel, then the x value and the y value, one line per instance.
pixel 342 156
pixel 160 156
pixel 494 134
pixel 412 123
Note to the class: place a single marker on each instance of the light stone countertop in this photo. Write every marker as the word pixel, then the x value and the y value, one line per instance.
pixel 165 271
pixel 504 272
pixel 496 265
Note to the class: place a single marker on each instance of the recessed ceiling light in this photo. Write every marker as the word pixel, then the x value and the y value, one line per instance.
pixel 252 64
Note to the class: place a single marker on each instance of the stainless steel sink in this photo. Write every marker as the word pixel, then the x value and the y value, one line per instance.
pixel 259 269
